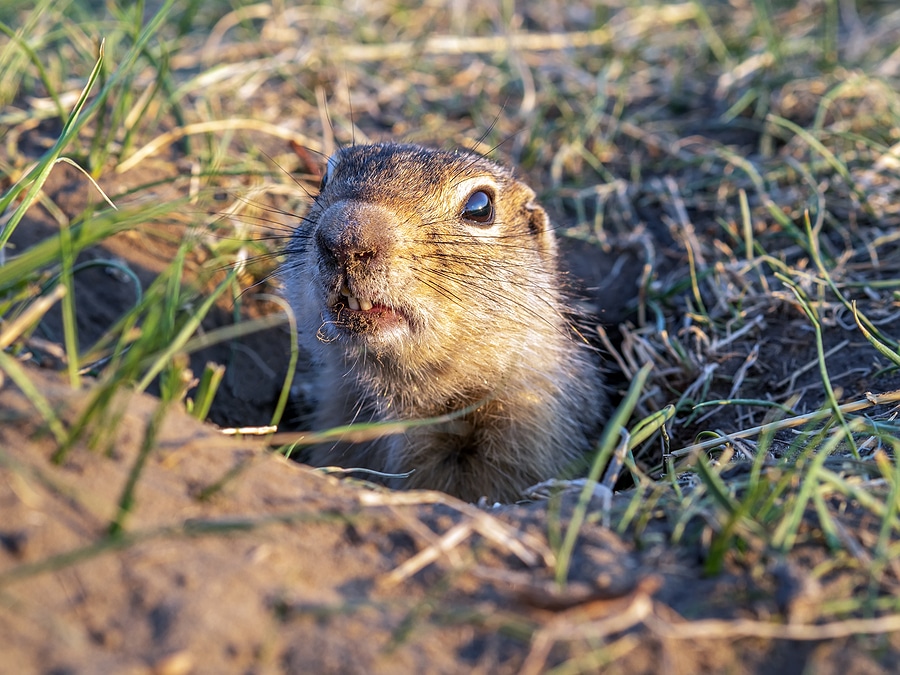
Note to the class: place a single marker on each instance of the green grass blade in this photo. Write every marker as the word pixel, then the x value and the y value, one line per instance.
pixel 605 448
pixel 18 375
pixel 35 179
pixel 181 339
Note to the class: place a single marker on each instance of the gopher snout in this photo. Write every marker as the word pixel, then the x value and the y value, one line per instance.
pixel 353 234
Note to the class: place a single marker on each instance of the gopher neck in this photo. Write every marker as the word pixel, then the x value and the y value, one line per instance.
pixel 404 393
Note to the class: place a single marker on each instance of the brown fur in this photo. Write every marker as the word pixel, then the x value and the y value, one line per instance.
pixel 464 314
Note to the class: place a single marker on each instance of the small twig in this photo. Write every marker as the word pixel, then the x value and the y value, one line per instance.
pixel 718 629
pixel 756 322
pixel 451 539
pixel 742 371
pixel 249 431
pixel 809 366
pixel 528 548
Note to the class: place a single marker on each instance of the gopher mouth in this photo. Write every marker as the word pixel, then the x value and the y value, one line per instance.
pixel 356 304
pixel 363 315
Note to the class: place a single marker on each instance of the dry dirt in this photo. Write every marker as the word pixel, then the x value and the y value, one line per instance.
pixel 237 560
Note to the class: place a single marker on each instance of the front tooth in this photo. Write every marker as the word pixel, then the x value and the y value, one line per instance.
pixel 345 291
pixel 353 302
pixel 364 304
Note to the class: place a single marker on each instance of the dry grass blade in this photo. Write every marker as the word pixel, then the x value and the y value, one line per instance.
pixel 361 432
pixel 450 539
pixel 645 19
pixel 742 628
pixel 529 549
pixel 163 141
pixel 595 620
pixel 799 420
pixel 30 316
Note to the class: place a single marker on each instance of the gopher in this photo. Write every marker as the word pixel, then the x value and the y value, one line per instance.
pixel 425 282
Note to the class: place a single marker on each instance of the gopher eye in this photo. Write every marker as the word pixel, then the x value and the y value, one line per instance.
pixel 329 169
pixel 479 208
pixel 325 176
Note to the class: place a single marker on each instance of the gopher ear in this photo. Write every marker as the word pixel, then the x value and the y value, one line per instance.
pixel 540 228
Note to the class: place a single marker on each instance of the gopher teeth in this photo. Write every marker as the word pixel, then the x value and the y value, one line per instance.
pixel 356 303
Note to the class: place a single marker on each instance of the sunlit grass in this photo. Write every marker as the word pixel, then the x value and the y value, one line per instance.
pixel 744 157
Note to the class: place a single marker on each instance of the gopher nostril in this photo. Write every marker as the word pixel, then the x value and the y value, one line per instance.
pixel 344 252
pixel 327 246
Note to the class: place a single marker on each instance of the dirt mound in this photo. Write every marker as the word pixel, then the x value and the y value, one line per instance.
pixel 233 559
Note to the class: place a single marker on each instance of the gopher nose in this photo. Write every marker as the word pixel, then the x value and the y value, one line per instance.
pixel 353 233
